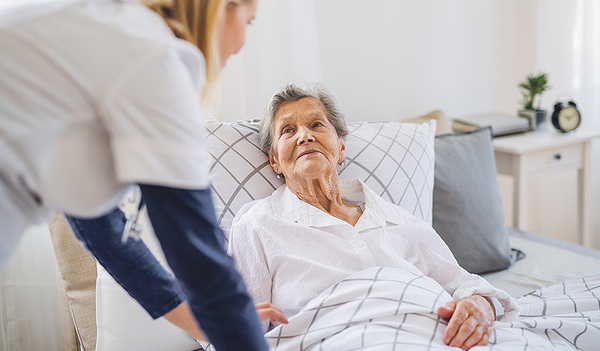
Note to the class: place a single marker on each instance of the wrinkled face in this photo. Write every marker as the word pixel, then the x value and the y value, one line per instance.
pixel 233 36
pixel 305 144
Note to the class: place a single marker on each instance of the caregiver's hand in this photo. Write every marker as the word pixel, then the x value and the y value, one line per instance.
pixel 183 317
pixel 271 312
pixel 470 324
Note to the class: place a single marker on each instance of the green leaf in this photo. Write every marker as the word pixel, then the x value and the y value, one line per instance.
pixel 532 86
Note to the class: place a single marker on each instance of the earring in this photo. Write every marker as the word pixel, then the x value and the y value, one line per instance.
pixel 278 175
pixel 341 163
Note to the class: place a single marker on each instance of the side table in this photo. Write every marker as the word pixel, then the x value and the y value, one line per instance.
pixel 551 178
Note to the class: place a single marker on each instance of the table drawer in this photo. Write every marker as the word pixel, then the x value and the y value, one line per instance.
pixel 564 156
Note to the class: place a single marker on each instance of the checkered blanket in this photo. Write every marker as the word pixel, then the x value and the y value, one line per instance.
pixel 386 308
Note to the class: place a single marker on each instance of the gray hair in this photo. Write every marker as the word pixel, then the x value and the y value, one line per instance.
pixel 291 93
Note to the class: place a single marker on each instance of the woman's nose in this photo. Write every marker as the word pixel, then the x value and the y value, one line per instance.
pixel 305 135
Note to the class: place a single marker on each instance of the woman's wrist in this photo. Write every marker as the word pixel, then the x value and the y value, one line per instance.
pixel 497 307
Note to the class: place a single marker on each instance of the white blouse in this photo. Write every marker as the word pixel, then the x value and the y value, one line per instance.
pixel 289 251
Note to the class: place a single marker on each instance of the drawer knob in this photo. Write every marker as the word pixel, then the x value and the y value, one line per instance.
pixel 557 156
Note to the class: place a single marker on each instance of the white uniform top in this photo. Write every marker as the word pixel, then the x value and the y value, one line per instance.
pixel 94 95
pixel 289 251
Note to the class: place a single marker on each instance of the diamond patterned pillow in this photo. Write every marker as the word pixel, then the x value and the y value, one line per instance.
pixel 394 159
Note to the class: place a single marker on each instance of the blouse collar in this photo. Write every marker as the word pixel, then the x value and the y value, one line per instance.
pixel 287 206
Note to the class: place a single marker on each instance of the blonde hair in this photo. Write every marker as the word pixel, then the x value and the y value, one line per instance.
pixel 199 22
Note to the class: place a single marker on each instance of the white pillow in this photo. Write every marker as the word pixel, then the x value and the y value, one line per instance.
pixel 394 159
pixel 122 324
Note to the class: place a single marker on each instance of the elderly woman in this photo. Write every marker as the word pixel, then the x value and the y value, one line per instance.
pixel 315 229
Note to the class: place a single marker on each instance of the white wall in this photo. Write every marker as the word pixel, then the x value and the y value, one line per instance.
pixel 387 59
pixel 393 59
pixel 404 58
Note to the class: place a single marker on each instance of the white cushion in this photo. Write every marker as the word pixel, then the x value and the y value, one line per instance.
pixel 394 159
pixel 122 324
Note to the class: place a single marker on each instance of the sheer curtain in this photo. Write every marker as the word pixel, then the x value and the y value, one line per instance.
pixel 586 47
pixel 587 88
pixel 29 315
pixel 568 48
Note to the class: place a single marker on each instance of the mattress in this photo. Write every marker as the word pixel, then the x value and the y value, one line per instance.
pixel 547 261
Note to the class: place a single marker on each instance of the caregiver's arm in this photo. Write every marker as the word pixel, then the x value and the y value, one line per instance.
pixel 134 267
pixel 185 224
pixel 183 317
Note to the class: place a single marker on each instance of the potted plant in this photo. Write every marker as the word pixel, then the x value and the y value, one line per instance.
pixel 531 87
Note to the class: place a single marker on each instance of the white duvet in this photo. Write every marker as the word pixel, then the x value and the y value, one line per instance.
pixel 384 308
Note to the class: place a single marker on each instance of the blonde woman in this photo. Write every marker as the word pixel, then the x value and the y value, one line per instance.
pixel 98 95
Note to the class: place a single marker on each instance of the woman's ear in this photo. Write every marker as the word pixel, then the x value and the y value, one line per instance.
pixel 342 150
pixel 273 163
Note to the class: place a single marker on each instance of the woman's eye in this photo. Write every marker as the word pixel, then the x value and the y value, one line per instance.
pixel 317 124
pixel 286 130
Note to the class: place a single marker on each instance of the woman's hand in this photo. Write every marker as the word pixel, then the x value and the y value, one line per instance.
pixel 271 312
pixel 470 324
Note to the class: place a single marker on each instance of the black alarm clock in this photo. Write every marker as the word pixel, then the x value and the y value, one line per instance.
pixel 566 116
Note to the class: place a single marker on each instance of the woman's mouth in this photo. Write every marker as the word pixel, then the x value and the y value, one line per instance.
pixel 307 152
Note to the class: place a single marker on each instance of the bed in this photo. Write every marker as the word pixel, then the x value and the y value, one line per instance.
pixel 437 178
